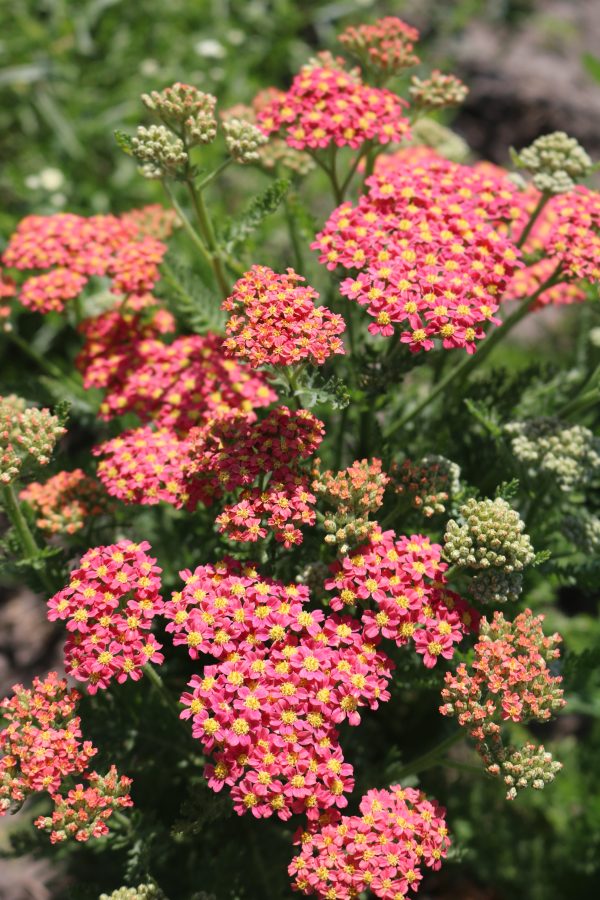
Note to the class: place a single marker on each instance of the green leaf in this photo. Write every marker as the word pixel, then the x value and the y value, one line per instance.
pixel 244 224
pixel 190 299
pixel 123 141
pixel 506 490
pixel 484 416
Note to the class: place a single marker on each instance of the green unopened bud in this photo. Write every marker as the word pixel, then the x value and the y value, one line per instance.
pixel 25 435
pixel 185 109
pixel 159 151
pixel 583 530
pixel 556 161
pixel 530 766
pixel 437 91
pixel 243 140
pixel 141 892
pixel 489 536
pixel 443 140
pixel 496 586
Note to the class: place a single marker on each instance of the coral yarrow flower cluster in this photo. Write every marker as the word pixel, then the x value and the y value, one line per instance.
pixel 426 250
pixel 275 321
pixel 327 105
pixel 74 248
pixel 404 579
pixel 286 677
pixel 386 46
pixel 509 680
pixel 349 497
pixel 383 850
pixel 108 606
pixel 43 750
pixel 66 501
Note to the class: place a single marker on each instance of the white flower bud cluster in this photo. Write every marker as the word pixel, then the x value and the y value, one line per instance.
pixel 141 892
pixel 186 110
pixel 243 140
pixel 159 151
pixel 570 454
pixel 490 540
pixel 25 435
pixel 556 161
pixel 438 91
pixel 530 766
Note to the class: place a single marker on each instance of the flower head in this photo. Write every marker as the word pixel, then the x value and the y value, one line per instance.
pixel 65 502
pixel 385 47
pixel 27 435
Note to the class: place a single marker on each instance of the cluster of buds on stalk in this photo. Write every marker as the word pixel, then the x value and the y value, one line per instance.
pixel 26 435
pixel 158 151
pixel 147 891
pixel 556 161
pixel 566 454
pixel 439 91
pixel 428 483
pixel 583 530
pixel 188 112
pixel 386 47
pixel 243 140
pixel 351 495
pixel 508 680
pixel 490 541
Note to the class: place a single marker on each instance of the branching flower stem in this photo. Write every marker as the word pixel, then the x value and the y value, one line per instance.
pixel 31 551
pixel 430 759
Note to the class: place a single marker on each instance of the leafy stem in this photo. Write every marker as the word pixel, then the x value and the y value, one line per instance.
pixel 31 551
pixel 430 759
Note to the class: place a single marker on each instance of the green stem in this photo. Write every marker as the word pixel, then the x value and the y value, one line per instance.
pixel 44 364
pixel 431 758
pixel 365 150
pixel 465 369
pixel 206 181
pixel 164 695
pixel 187 225
pixel 31 551
pixel 294 236
pixel 534 216
pixel 208 233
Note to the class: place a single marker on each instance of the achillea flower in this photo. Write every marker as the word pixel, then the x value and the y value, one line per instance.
pixel 382 851
pixel 327 105
pixel 427 483
pixel 73 248
pixel 427 250
pixel 285 678
pixel 113 344
pixel 41 742
pixel 153 220
pixel 109 605
pixel 27 435
pixel 404 579
pixel 145 466
pixel 274 321
pixel 350 497
pixel 236 454
pixel 83 812
pixel 185 383
pixel 65 502
pixel 510 679
pixel 556 161
pixel 275 152
pixel 147 891
pixel 386 47
pixel 187 110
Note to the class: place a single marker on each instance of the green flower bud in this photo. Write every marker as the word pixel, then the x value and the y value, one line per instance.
pixel 243 140
pixel 159 151
pixel 556 161
pixel 185 109
pixel 25 435
pixel 530 766
pixel 569 454
pixel 141 892
pixel 438 91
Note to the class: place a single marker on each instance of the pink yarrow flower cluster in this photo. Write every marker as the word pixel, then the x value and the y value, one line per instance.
pixel 426 249
pixel 327 105
pixel 108 606
pixel 275 321
pixel 285 678
pixel 237 454
pixel 145 466
pixel 64 502
pixel 382 851
pixel 74 248
pixel 404 579
pixel 385 46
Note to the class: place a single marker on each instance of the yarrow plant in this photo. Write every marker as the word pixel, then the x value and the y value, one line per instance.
pixel 275 521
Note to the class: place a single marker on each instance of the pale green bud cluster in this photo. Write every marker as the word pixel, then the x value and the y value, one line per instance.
pixel 141 892
pixel 185 109
pixel 243 140
pixel 556 161
pixel 159 151
pixel 25 435
pixel 570 454
pixel 443 140
pixel 583 530
pixel 313 575
pixel 530 766
pixel 490 540
pixel 438 91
